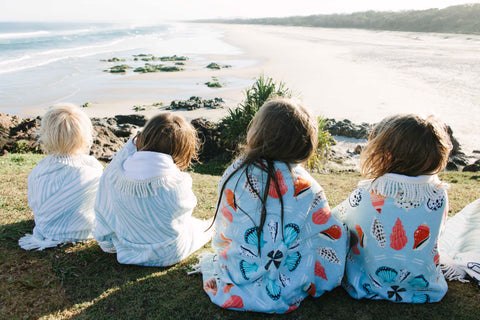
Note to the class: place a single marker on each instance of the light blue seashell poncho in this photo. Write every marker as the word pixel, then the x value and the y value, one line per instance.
pixel 302 255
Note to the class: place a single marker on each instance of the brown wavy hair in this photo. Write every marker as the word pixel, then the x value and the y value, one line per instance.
pixel 282 130
pixel 170 134
pixel 406 144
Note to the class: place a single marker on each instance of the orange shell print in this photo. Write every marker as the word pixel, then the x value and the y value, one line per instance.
pixel 398 238
pixel 377 201
pixel 227 287
pixel 233 302
pixel 322 215
pixel 272 191
pixel 421 236
pixel 230 196
pixel 361 235
pixel 333 233
pixel 301 185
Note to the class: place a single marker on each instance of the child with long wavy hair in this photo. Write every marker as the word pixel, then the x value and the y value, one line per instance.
pixel 275 240
pixel 63 185
pixel 145 200
pixel 395 218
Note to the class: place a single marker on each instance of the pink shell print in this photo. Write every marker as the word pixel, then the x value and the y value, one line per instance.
pixel 233 302
pixel 226 213
pixel 322 215
pixel 210 286
pixel 320 270
pixel 398 238
pixel 272 191
pixel 377 201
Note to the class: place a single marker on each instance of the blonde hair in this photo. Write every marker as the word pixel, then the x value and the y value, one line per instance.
pixel 65 130
pixel 170 134
pixel 408 145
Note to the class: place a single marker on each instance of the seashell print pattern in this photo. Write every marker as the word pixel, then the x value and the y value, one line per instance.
pixel 378 233
pixel 398 237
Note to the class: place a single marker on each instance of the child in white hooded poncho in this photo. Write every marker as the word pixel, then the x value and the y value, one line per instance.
pixel 145 202
pixel 62 187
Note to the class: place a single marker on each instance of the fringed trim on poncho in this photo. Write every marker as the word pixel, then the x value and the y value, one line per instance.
pixel 143 188
pixel 78 161
pixel 406 189
pixel 29 242
pixel 451 270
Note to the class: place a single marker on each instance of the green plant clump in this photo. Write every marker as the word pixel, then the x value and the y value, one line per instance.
pixel 157 68
pixel 213 84
pixel 174 58
pixel 321 153
pixel 86 105
pixel 118 69
pixel 236 122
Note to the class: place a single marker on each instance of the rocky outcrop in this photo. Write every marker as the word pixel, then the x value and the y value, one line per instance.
pixel 346 128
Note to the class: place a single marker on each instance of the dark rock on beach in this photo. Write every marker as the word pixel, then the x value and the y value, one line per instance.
pixel 475 167
pixel 346 128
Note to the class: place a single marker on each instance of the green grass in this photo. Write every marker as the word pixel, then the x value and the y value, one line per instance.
pixel 79 281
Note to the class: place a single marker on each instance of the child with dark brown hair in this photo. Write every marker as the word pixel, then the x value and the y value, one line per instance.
pixel 395 217
pixel 145 201
pixel 275 240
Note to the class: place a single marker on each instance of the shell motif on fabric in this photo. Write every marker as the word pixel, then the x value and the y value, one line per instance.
pixel 225 243
pixel 301 186
pixel 332 233
pixel 361 235
pixel 355 197
pixel 387 274
pixel 227 287
pixel 272 191
pixel 310 289
pixel 377 201
pixel 210 286
pixel 320 270
pixel 398 237
pixel 421 236
pixel 235 302
pixel 230 197
pixel 322 215
pixel 317 199
pixel 226 212
pixel 328 254
pixel 378 233
pixel 435 204
pixel 252 186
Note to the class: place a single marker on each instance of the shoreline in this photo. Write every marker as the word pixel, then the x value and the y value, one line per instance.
pixel 362 75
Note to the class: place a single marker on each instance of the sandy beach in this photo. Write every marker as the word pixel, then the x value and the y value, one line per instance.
pixel 359 75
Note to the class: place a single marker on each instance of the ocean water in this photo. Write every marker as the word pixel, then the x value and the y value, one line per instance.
pixel 45 63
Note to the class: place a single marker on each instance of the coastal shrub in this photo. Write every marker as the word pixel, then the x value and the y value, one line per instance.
pixel 213 84
pixel 235 124
pixel 86 105
pixel 216 66
pixel 157 68
pixel 174 58
pixel 321 153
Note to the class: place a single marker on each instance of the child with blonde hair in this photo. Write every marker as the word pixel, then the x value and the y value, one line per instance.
pixel 275 240
pixel 394 219
pixel 145 201
pixel 63 185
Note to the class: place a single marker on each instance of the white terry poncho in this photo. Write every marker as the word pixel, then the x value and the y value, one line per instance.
pixel 61 194
pixel 144 210
pixel 459 245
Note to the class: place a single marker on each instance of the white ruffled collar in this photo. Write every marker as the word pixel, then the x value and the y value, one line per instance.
pixel 405 188
pixel 143 165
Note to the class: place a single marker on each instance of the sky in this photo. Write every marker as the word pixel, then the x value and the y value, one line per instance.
pixel 161 10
